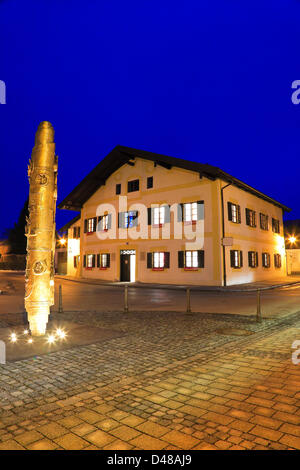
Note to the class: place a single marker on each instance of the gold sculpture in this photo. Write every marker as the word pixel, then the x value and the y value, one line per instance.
pixel 40 231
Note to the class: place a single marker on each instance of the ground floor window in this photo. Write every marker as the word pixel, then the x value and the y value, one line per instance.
pixel 89 261
pixel 236 258
pixel 191 259
pixel 253 259
pixel 76 261
pixel 277 260
pixel 158 260
pixel 266 260
pixel 103 260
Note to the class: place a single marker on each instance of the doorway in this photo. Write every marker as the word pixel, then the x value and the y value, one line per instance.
pixel 127 266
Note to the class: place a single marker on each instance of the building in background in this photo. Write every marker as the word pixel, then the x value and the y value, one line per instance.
pixel 292 245
pixel 133 205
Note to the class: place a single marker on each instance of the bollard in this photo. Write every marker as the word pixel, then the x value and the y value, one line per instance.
pixel 188 300
pixel 2 353
pixel 60 304
pixel 258 312
pixel 126 299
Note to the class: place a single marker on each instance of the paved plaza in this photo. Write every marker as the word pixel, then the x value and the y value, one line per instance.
pixel 168 380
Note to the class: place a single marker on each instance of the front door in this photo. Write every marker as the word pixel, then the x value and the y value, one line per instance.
pixel 125 268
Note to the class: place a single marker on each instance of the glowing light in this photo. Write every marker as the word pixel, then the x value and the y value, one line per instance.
pixel 62 241
pixel 52 283
pixel 30 340
pixel 26 332
pixel 292 239
pixel 60 333
pixel 51 339
pixel 13 337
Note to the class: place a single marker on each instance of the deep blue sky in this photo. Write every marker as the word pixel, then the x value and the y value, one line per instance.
pixel 205 80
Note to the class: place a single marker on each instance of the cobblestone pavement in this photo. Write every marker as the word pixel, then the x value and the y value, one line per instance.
pixel 172 381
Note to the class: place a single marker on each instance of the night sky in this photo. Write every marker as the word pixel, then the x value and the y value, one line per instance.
pixel 205 80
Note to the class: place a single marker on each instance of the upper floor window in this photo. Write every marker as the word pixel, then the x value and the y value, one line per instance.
pixel 250 218
pixel 234 213
pixel 90 225
pixel 118 188
pixel 159 215
pixel 128 219
pixel 133 185
pixel 190 212
pixel 253 259
pixel 76 232
pixel 264 221
pixel 150 182
pixel 236 258
pixel 275 225
pixel 104 222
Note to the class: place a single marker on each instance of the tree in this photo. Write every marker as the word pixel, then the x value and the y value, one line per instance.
pixel 16 235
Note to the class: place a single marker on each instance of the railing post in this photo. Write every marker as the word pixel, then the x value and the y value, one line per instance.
pixel 126 299
pixel 188 300
pixel 2 353
pixel 258 311
pixel 60 303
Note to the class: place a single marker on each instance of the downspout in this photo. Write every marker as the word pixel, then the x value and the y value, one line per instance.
pixel 223 232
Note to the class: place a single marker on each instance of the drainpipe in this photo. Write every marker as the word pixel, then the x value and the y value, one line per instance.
pixel 223 232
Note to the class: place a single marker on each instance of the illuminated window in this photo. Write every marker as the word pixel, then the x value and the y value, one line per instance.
pixel 234 213
pixel 190 211
pixel 236 258
pixel 266 260
pixel 159 215
pixel 253 259
pixel 158 260
pixel 128 219
pixel 91 225
pixel 191 259
pixel 104 222
pixel 103 260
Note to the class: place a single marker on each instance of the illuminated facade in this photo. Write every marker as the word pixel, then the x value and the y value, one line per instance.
pixel 139 212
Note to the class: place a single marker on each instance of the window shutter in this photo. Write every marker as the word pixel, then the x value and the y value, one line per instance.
pixel 166 259
pixel 232 258
pixel 229 210
pixel 135 221
pixel 250 258
pixel 108 260
pixel 200 210
pixel 94 261
pixel 85 225
pixel 109 221
pixel 121 220
pixel 167 214
pixel 256 258
pixel 75 264
pixel 247 217
pixel 95 224
pixel 238 209
pixel 78 232
pixel 179 212
pixel 149 211
pixel 149 260
pixel 180 259
pixel 84 261
pixel 100 223
pixel 241 259
pixel 201 258
pixel 98 261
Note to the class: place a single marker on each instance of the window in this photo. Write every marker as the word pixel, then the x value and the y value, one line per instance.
pixel 76 232
pixel 158 260
pixel 133 185
pixel 190 212
pixel 128 219
pixel 103 260
pixel 236 258
pixel 264 221
pixel 90 225
pixel 277 260
pixel 76 261
pixel 104 222
pixel 275 226
pixel 191 259
pixel 250 218
pixel 159 215
pixel 253 259
pixel 234 213
pixel 118 188
pixel 89 261
pixel 150 182
pixel 266 260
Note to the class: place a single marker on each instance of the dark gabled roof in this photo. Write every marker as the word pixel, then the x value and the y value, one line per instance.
pixel 121 155
pixel 65 227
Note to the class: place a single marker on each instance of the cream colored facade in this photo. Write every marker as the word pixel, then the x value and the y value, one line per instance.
pixel 173 186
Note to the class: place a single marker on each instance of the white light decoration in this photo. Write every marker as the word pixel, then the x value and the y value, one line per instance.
pixel 13 337
pixel 51 339
pixel 26 332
